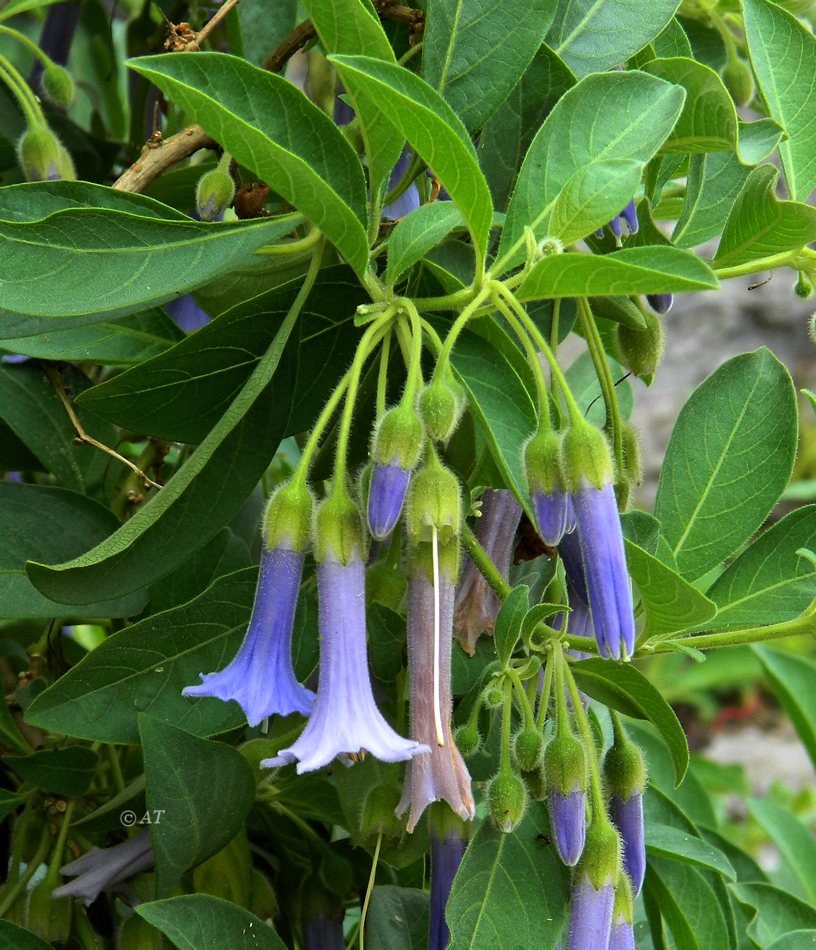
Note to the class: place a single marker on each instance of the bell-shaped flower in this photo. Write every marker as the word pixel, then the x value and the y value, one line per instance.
pixel 476 606
pixel 102 869
pixel 442 774
pixel 593 890
pixel 447 852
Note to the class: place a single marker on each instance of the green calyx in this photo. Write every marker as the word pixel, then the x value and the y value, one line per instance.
pixel 58 85
pixel 442 403
pixel 739 80
pixel 586 457
pixel 623 909
pixel 468 739
pixel 624 769
pixel 338 529
pixel 398 438
pixel 448 553
pixel 642 350
pixel 507 800
pixel 542 459
pixel 43 157
pixel 601 860
pixel 288 518
pixel 565 764
pixel 434 500
pixel 214 194
pixel 528 747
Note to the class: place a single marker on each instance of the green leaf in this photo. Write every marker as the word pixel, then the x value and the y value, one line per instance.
pixel 268 125
pixel 609 116
pixel 793 839
pixel 508 622
pixel 590 37
pixel 760 224
pixel 795 940
pixel 758 139
pixel 28 514
pixel 708 121
pixel 181 394
pixel 510 890
pixel 195 504
pixel 714 181
pixel 461 58
pixel 202 792
pixel 783 54
pixel 103 254
pixel 348 26
pixel 672 41
pixel 623 687
pixel 670 602
pixel 64 771
pixel 417 233
pixel 202 922
pixel 689 905
pixel 583 381
pixel 397 917
pixel 263 29
pixel 13 937
pixel 142 669
pixel 678 845
pixel 777 911
pixel 792 679
pixel 636 270
pixel 429 124
pixel 769 582
pixel 728 461
pixel 591 197
pixel 500 404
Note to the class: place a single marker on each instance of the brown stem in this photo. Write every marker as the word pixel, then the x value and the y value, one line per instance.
pixel 219 15
pixel 157 158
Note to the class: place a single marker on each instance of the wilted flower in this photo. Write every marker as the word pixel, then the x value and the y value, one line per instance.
pixel 446 855
pixel 101 869
pixel 476 606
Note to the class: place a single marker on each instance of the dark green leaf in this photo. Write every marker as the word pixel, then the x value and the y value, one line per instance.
pixel 417 233
pixel 508 622
pixel 13 937
pixel 269 126
pixel 586 388
pixel 202 922
pixel 397 917
pixel 728 460
pixel 792 678
pixel 64 771
pixel 591 197
pixel 202 792
pixel 758 139
pixel 689 905
pixel 641 528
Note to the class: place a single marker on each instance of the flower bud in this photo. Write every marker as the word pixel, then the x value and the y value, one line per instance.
pixel 593 889
pixel 739 80
pixel 214 194
pixel 57 85
pixel 338 530
pixel 586 457
pixel 494 697
pixel 622 936
pixel 528 747
pixel 625 775
pixel 601 861
pixel 565 777
pixel 642 350
pixel 536 783
pixel 43 157
pixel 442 403
pixel 507 799
pixel 396 450
pixel 542 456
pixel 288 518
pixel 468 739
pixel 660 303
pixel 434 501
pixel 803 288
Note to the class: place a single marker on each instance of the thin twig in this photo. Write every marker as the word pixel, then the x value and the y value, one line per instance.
pixel 205 31
pixel 82 435
pixel 155 160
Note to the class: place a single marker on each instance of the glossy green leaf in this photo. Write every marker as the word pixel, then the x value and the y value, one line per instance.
pixel 67 771
pixel 728 461
pixel 609 116
pixel 777 911
pixel 689 905
pixel 461 58
pixel 429 124
pixel 268 125
pixel 508 622
pixel 794 840
pixel 760 224
pixel 181 394
pixel 202 922
pixel 591 197
pixel 397 917
pixel 636 270
pixel 758 139
pixel 34 201
pixel 671 604
pixel 27 515
pixel 769 582
pixel 13 937
pixel 678 845
pixel 623 687
pixel 714 181
pixel 141 669
pixel 417 233
pixel 590 36
pixel 708 121
pixel 792 678
pixel 198 500
pixel 510 891
pixel 348 26
pixel 672 41
pixel 203 791
pixel 783 54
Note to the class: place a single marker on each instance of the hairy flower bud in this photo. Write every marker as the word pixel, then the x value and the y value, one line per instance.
pixel 528 747
pixel 507 799
pixel 338 530
pixel 288 518
pixel 434 501
pixel 395 451
pixel 468 739
pixel 442 403
pixel 739 80
pixel 642 350
pixel 565 778
pixel 542 456
pixel 43 157
pixel 57 85
pixel 214 194
pixel 625 775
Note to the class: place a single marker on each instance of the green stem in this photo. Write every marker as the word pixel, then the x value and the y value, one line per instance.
pixel 299 246
pixel 486 567
pixel 452 301
pixel 544 421
pixel 30 45
pixel 369 889
pixel 414 380
pixel 800 259
pixel 56 857
pixel 459 324
pixel 382 375
pixel 544 701
pixel 507 722
pixel 595 787
pixel 26 99
pixel 312 443
pixel 526 708
pixel 602 368
pixel 116 768
pixel 433 337
pixel 801 626
pixel 13 891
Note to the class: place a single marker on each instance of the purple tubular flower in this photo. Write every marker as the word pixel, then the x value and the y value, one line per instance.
pixel 552 514
pixel 261 678
pixel 476 606
pixel 446 856
pixel 629 215
pixel 409 200
pixel 609 592
pixel 186 313
pixel 627 816
pixel 660 303
pixel 622 936
pixel 103 868
pixel 591 916
pixel 345 718
pixel 442 774
pixel 322 932
pixel 568 822
pixel 386 495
